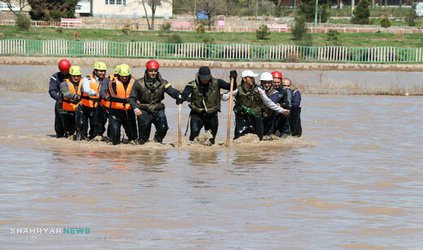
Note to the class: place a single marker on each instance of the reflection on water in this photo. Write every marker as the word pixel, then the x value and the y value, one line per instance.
pixel 352 182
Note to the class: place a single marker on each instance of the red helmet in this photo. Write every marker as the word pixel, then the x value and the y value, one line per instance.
pixel 277 74
pixel 64 66
pixel 152 64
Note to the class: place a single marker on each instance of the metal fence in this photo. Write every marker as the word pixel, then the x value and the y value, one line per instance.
pixel 215 52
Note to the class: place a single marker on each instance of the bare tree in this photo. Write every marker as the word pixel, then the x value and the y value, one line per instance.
pixel 211 8
pixel 153 4
pixel 22 4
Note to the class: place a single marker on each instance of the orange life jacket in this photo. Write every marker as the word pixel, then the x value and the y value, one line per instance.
pixel 104 103
pixel 68 104
pixel 91 101
pixel 117 89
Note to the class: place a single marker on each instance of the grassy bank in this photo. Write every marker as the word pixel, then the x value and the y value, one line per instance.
pixel 344 39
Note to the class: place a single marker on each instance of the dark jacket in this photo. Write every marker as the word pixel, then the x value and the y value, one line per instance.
pixel 147 93
pixel 205 97
pixel 54 89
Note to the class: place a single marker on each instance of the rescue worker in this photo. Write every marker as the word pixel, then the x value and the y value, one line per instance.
pixel 203 93
pixel 146 100
pixel 102 112
pixel 71 99
pixel 295 113
pixel 120 111
pixel 54 90
pixel 269 116
pixel 87 110
pixel 249 103
pixel 282 127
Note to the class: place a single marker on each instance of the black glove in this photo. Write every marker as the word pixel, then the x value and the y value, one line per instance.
pixel 233 74
pixel 179 100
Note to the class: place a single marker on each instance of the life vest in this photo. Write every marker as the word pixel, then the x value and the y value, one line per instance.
pixel 205 101
pixel 152 93
pixel 117 89
pixel 68 104
pixel 91 101
pixel 104 103
pixel 248 102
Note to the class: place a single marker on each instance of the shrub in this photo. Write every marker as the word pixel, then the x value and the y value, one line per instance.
pixel 208 40
pixel 23 22
pixel 263 33
pixel 385 23
pixel 200 28
pixel 299 30
pixel 126 28
pixel 55 15
pixel 332 38
pixel 174 38
pixel 411 18
pixel 165 26
pixel 59 30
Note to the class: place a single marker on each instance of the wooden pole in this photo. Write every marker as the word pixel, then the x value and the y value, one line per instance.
pixel 228 128
pixel 179 125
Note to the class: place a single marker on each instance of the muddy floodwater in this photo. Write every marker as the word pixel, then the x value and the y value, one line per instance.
pixel 353 181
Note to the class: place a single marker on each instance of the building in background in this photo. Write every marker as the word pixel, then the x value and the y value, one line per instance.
pixel 129 8
pixel 83 8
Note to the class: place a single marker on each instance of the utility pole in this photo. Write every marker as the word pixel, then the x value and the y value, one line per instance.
pixel 256 9
pixel 315 14
pixel 295 6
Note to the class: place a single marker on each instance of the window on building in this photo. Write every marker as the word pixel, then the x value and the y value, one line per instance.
pixel 115 2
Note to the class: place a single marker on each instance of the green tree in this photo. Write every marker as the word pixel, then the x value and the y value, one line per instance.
pixel 307 9
pixel 361 14
pixel 299 30
pixel 47 10
pixel 263 33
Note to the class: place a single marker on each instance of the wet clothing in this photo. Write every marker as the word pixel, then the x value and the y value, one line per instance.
pixel 84 116
pixel 124 118
pixel 69 105
pixel 282 126
pixel 87 111
pixel 269 116
pixel 102 110
pixel 120 112
pixel 198 120
pixel 147 95
pixel 54 91
pixel 295 114
pixel 248 107
pixel 204 103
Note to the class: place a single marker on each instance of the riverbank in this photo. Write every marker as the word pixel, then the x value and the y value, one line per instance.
pixel 9 60
pixel 33 75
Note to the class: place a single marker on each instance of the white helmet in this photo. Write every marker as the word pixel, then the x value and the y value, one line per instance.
pixel 266 76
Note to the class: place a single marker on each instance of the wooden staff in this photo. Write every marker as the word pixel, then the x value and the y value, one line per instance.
pixel 179 125
pixel 228 127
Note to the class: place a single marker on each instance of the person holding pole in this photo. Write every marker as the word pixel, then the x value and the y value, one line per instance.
pixel 146 100
pixel 203 94
pixel 249 103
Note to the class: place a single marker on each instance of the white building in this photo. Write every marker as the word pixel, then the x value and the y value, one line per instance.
pixel 123 8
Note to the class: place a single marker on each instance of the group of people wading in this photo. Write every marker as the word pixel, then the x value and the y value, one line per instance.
pixel 85 104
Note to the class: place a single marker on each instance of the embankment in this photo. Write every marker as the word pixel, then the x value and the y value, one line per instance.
pixel 13 60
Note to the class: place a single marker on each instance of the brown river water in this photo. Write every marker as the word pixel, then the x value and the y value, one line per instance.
pixel 353 181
